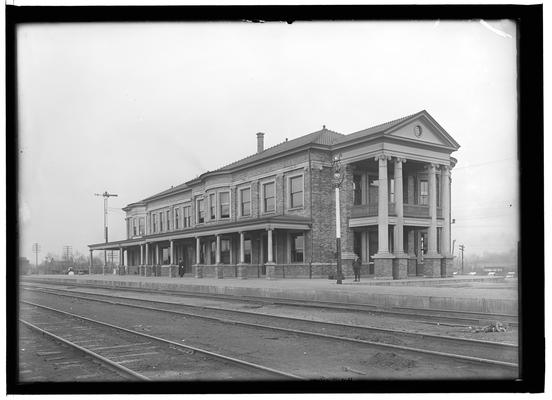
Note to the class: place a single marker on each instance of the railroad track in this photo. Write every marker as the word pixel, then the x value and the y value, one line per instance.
pixel 483 352
pixel 444 317
pixel 42 358
pixel 148 358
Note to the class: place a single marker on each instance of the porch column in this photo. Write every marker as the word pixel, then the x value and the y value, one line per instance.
pixel 198 266
pixel 172 253
pixel 141 254
pixel 447 261
pixel 91 261
pixel 399 210
pixel 147 253
pixel 242 268
pixel 432 231
pixel 121 259
pixel 383 206
pixel 269 245
pixel 445 179
pixel 198 250
pixel 270 266
pixel 400 264
pixel 217 252
pixel 157 254
pixel 242 248
pixel 432 260
pixel 383 260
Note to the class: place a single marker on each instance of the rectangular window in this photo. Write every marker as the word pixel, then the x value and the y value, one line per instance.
pixel 297 247
pixel 134 227
pixel 187 216
pixel 168 219
pixel 296 191
pixel 155 223
pixel 161 217
pixel 247 251
pixel 176 218
pixel 141 227
pixel 268 197
pixel 245 202
pixel 357 190
pixel 224 200
pixel 225 251
pixel 128 227
pixel 424 193
pixel 200 211
pixel 373 187
pixel 391 190
pixel 212 206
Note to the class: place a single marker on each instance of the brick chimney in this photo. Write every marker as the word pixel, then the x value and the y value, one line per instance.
pixel 260 142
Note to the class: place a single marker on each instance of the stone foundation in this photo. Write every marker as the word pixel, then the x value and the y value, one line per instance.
pixel 219 271
pixel 432 266
pixel 198 271
pixel 412 266
pixel 270 271
pixel 383 267
pixel 242 271
pixel 400 268
pixel 447 267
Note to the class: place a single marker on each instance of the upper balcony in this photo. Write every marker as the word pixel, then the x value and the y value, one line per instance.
pixel 409 210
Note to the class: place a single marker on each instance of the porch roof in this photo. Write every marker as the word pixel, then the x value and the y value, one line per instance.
pixel 273 222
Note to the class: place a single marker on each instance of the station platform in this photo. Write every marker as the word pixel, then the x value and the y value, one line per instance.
pixel 460 293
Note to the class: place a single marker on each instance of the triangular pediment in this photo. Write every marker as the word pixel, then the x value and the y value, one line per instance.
pixel 422 128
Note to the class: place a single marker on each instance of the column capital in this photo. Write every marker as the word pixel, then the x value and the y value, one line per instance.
pixel 269 228
pixel 400 160
pixel 382 157
pixel 445 169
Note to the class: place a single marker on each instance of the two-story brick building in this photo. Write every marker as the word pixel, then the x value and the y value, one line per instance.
pixel 272 214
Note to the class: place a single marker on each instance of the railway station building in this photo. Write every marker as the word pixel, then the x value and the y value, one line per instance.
pixel 273 214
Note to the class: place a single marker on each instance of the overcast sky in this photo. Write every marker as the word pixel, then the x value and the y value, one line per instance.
pixel 136 108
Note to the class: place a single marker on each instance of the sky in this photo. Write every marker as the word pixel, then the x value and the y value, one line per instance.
pixel 137 108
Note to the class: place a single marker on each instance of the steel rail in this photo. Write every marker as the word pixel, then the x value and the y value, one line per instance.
pixel 370 308
pixel 69 293
pixel 90 353
pixel 172 343
pixel 325 336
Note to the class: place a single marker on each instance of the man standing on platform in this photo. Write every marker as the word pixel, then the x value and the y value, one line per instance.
pixel 181 268
pixel 356 268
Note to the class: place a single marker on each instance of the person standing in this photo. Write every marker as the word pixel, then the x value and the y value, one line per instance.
pixel 356 268
pixel 181 268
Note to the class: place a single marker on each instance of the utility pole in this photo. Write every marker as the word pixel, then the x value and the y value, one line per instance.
pixel 106 196
pixel 338 178
pixel 461 248
pixel 36 250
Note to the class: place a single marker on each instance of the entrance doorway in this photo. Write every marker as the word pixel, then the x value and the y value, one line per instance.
pixel 420 250
pixel 372 249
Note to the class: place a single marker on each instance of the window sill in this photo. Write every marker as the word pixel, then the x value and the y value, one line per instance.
pixel 296 208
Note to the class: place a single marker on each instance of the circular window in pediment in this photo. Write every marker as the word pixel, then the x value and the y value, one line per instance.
pixel 418 130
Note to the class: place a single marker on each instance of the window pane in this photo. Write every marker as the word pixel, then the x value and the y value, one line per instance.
pixel 297 248
pixel 269 204
pixel 245 202
pixel 296 184
pixel 269 189
pixel 297 200
pixel 247 251
pixel 357 186
pixel 224 204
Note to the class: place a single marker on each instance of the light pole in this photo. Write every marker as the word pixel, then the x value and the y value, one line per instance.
pixel 106 196
pixel 338 177
pixel 36 250
pixel 461 247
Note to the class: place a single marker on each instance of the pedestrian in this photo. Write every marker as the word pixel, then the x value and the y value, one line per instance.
pixel 181 268
pixel 356 268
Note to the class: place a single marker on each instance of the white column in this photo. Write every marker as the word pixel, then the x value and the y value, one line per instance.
pixel 242 248
pixel 445 204
pixel 91 262
pixel 217 252
pixel 121 257
pixel 399 227
pixel 147 253
pixel 157 254
pixel 172 252
pixel 198 250
pixel 269 245
pixel 383 206
pixel 432 231
pixel 141 254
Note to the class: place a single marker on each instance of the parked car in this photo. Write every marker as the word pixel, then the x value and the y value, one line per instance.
pixel 510 275
pixel 491 273
pixel 472 273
